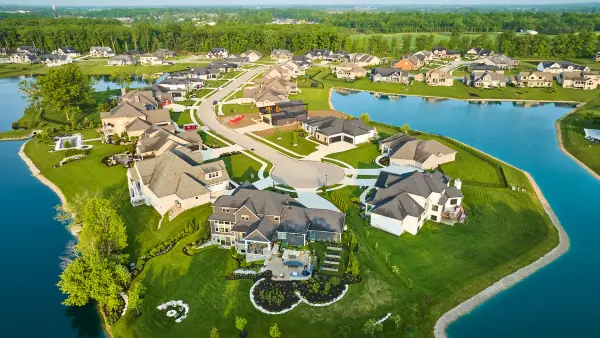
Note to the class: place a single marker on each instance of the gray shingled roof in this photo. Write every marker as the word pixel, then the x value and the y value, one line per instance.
pixel 330 125
pixel 410 148
pixel 387 72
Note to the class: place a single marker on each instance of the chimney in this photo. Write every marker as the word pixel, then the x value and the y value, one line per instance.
pixel 123 91
pixel 137 98
pixel 458 183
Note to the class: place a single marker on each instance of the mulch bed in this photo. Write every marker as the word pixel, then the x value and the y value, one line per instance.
pixel 269 287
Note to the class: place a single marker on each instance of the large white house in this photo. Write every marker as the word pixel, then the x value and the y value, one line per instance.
pixel 55 60
pixel 402 203
pixel 101 52
pixel 176 181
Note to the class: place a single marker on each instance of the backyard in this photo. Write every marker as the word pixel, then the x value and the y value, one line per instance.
pixel 182 118
pixel 285 140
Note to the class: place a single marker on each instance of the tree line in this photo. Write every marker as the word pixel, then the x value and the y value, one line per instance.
pixel 81 34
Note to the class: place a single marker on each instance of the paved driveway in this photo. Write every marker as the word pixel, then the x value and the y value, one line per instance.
pixel 330 149
pixel 291 172
pixel 312 200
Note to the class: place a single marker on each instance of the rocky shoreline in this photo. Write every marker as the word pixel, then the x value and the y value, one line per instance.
pixel 503 284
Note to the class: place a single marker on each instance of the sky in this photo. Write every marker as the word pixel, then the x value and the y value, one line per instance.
pixel 150 3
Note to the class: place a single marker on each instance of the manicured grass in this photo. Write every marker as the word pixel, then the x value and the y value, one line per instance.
pixel 90 175
pixel 284 139
pixel 573 136
pixel 235 109
pixel 242 168
pixel 208 139
pixel 215 83
pixel 182 118
pixel 361 157
pixel 316 98
pixel 14 134
pixel 367 177
pixel 283 151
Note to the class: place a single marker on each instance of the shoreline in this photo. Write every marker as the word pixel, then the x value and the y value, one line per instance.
pixel 578 103
pixel 565 151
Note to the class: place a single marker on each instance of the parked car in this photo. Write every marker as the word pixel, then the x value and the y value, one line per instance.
pixel 215 102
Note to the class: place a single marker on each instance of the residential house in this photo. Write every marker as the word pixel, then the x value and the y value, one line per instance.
pixel 409 63
pixel 252 55
pixel 405 150
pixel 533 79
pixel 302 62
pixel 320 54
pixel 165 53
pixel 281 55
pixel 135 53
pixel 155 141
pixel 579 80
pixel 559 67
pixel 502 61
pixel 237 60
pixel 70 51
pixel 438 77
pixel 176 181
pixel 101 52
pixel 217 53
pixel 478 53
pixel 178 87
pixel 365 60
pixel 402 203
pixel 452 54
pixel 29 49
pixel 284 113
pixel 23 58
pixel 122 60
pixel 425 56
pixel 389 75
pixel 252 220
pixel 286 70
pixel 144 105
pixel 54 60
pixel 596 58
pixel 265 97
pixel 349 71
pixel 439 52
pixel 153 60
pixel 331 129
pixel 486 79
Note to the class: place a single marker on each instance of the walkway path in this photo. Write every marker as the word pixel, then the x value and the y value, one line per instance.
pixel 291 172
pixel 311 199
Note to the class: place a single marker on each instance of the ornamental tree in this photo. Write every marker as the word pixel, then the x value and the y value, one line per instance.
pixel 240 323
pixel 274 331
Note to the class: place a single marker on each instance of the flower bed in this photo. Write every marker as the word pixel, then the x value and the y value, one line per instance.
pixel 274 297
pixel 321 290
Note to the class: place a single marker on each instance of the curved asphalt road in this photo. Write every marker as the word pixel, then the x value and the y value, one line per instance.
pixel 287 171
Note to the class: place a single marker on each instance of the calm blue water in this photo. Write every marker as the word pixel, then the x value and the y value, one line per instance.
pixel 560 300
pixel 31 244
pixel 13 104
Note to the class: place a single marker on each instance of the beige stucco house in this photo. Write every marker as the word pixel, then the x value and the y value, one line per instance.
pixel 579 80
pixel 533 79
pixel 407 150
pixel 349 71
pixel 439 78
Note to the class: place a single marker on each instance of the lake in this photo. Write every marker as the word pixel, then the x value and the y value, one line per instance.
pixel 561 299
pixel 32 244
pixel 14 104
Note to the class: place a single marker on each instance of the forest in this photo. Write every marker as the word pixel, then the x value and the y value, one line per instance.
pixel 49 34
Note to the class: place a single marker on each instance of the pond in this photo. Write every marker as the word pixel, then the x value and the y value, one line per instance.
pixel 14 104
pixel 559 300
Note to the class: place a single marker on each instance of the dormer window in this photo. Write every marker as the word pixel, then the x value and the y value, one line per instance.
pixel 245 218
pixel 276 218
pixel 213 174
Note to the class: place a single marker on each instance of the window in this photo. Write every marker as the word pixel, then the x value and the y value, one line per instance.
pixel 276 218
pixel 434 207
pixel 225 209
pixel 213 175
pixel 245 218
pixel 281 235
pixel 453 201
pixel 434 218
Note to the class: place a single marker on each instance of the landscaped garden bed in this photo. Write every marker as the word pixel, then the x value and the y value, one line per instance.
pixel 275 296
pixel 321 289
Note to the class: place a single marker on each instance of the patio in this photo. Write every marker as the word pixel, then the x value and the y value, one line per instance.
pixel 290 265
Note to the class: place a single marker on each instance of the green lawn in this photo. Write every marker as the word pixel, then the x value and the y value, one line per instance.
pixel 182 118
pixel 361 157
pixel 304 147
pixel 208 139
pixel 242 168
pixel 573 136
pixel 316 98
pixel 14 134
pixel 235 109
pixel 215 83
pixel 90 175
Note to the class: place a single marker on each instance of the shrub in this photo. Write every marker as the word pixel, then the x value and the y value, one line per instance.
pixel 68 145
pixel 15 125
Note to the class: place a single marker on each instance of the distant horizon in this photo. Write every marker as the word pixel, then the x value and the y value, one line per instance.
pixel 226 3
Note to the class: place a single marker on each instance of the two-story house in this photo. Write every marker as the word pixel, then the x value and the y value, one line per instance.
pixel 559 67
pixel 101 52
pixel 349 71
pixel 405 150
pixel 389 75
pixel 486 78
pixel 438 77
pixel 55 60
pixel 252 220
pixel 533 79
pixel 70 51
pixel 402 203
pixel 217 53
pixel 122 60
pixel 579 80
pixel 153 60
pixel 281 55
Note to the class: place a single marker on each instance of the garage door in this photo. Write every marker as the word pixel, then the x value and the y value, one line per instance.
pixel 348 139
pixel 335 139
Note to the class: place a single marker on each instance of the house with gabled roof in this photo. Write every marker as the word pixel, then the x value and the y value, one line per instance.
pixel 559 67
pixel 533 79
pixel 252 220
pixel 165 53
pixel 122 60
pixel 24 58
pixel 579 80
pixel 237 59
pixel 319 54
pixel 406 150
pixel 101 52
pixel 217 53
pixel 439 77
pixel 176 181
pixel 252 55
pixel 281 55
pixel 148 59
pixel 145 105
pixel 502 61
pixel 365 60
pixel 54 60
pixel 478 53
pixel 349 71
pixel 330 129
pixel 483 78
pixel 409 63
pixel 389 75
pixel 402 203
pixel 70 51
pixel 29 49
